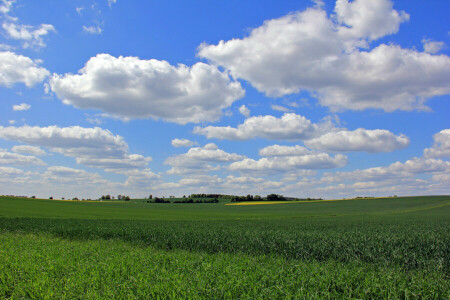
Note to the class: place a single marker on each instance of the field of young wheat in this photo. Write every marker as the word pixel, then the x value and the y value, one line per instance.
pixel 365 248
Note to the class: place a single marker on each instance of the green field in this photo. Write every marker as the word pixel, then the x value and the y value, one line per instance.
pixel 366 248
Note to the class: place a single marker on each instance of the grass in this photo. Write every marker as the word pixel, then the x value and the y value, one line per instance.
pixel 369 248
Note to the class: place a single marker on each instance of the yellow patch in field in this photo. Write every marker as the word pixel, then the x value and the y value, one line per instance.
pixel 264 202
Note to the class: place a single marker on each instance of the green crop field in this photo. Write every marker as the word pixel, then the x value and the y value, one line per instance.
pixel 367 248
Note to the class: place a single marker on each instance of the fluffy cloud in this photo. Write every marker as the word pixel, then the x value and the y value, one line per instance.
pixel 70 176
pixel 22 106
pixel 5 6
pixel 17 68
pixel 244 111
pixel 326 56
pixel 30 35
pixel 288 127
pixel 93 29
pixel 8 158
pixel 441 146
pixel 10 172
pixel 359 140
pixel 280 108
pixel 140 178
pixel 410 168
pixel 289 163
pixel 368 19
pixel 200 160
pixel 24 149
pixel 129 87
pixel 277 150
pixel 182 143
pixel 432 47
pixel 93 147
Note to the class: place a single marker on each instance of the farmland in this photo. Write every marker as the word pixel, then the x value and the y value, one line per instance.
pixel 365 248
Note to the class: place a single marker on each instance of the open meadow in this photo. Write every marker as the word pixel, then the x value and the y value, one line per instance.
pixel 363 248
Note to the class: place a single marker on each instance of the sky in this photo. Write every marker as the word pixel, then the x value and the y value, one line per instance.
pixel 325 99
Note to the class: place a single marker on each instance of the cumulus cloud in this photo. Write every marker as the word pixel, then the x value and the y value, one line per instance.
pixel 289 127
pixel 372 141
pixel 244 111
pixel 280 108
pixel 289 163
pixel 441 146
pixel 94 147
pixel 431 46
pixel 200 160
pixel 22 106
pixel 10 172
pixel 5 6
pixel 330 57
pixel 292 161
pixel 9 158
pixel 140 178
pixel 32 36
pixel 25 149
pixel 410 168
pixel 277 150
pixel 182 143
pixel 129 87
pixel 368 19
pixel 16 68
pixel 70 176
pixel 93 29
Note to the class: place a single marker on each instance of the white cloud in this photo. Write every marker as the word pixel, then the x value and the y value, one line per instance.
pixel 25 149
pixel 93 29
pixel 10 172
pixel 79 10
pixel 5 6
pixel 289 163
pixel 4 47
pixel 8 158
pixel 372 141
pixel 30 35
pixel 22 106
pixel 17 68
pixel 410 168
pixel 244 111
pixel 280 108
pixel 289 127
pixel 140 178
pixel 94 147
pixel 200 160
pixel 441 146
pixel 12 122
pixel 368 19
pixel 312 51
pixel 110 2
pixel 182 143
pixel 70 176
pixel 277 150
pixel 116 164
pixel 129 87
pixel 432 47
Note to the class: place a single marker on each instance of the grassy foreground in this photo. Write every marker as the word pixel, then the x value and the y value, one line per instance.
pixel 377 248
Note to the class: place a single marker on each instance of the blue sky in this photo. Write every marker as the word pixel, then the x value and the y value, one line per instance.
pixel 302 98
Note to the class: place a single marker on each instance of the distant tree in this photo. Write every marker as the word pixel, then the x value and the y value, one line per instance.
pixel 75 198
pixel 33 197
pixel 257 198
pixel 275 197
pixel 119 197
pixel 126 198
pixel 150 197
pixel 51 198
